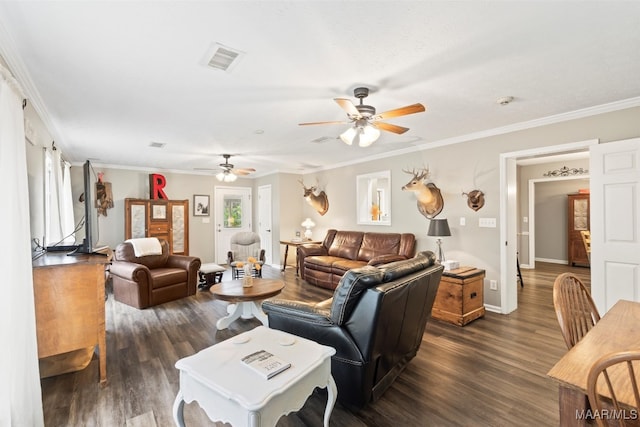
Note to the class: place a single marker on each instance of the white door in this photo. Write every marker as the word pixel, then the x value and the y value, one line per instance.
pixel 615 222
pixel 264 222
pixel 232 215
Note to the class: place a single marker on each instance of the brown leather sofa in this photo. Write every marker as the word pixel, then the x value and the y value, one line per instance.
pixel 154 279
pixel 375 321
pixel 324 264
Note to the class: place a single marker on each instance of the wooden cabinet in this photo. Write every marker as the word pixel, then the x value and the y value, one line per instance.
pixel 70 318
pixel 460 297
pixel 579 220
pixel 164 219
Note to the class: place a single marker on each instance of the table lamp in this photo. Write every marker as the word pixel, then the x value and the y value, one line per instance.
pixel 308 224
pixel 439 227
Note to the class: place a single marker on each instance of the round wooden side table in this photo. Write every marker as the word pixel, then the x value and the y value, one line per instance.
pixel 246 301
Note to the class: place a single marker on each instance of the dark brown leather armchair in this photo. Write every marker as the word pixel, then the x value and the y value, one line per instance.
pixel 154 279
pixel 375 321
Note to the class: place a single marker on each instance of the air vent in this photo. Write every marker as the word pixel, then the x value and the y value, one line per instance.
pixel 322 139
pixel 223 58
pixel 157 144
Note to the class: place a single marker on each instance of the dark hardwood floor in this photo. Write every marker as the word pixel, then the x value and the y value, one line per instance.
pixel 491 372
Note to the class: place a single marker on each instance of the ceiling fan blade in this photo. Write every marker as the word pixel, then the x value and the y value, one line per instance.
pixel 341 122
pixel 347 105
pixel 245 171
pixel 391 128
pixel 409 109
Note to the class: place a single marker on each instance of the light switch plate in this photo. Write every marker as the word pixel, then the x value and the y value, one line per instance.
pixel 487 222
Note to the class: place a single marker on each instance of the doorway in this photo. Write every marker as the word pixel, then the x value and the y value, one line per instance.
pixel 509 215
pixel 533 185
pixel 232 215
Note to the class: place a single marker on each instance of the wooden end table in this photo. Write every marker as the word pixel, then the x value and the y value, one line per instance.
pixel 460 297
pixel 246 301
pixel 230 392
pixel 295 244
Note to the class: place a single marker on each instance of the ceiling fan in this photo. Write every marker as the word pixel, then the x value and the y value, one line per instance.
pixel 366 123
pixel 228 173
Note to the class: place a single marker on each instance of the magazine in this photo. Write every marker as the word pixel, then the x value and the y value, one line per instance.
pixel 265 363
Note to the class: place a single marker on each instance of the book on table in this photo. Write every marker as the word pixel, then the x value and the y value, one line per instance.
pixel 265 363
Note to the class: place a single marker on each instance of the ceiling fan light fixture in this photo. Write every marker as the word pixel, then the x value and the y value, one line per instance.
pixel 368 135
pixel 348 135
pixel 226 176
pixel 362 134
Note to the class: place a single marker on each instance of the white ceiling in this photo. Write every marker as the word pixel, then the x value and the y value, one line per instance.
pixel 109 78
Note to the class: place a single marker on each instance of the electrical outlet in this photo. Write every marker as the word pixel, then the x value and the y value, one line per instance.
pixel 525 219
pixel 493 285
pixel 463 221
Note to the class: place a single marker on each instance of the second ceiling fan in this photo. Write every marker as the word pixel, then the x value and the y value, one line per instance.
pixel 228 173
pixel 366 123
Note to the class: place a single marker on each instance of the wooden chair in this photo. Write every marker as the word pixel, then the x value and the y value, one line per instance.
pixel 617 375
pixel 586 240
pixel 574 307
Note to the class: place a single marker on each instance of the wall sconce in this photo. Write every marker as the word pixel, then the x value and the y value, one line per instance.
pixel 308 224
pixel 439 227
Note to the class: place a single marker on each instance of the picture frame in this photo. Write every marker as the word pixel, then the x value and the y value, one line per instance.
pixel 201 205
pixel 158 211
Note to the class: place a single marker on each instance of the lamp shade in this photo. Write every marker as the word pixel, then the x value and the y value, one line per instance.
pixel 439 227
pixel 307 223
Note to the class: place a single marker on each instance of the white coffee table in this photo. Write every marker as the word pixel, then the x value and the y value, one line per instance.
pixel 230 392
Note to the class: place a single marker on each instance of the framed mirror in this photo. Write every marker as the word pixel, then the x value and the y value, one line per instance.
pixel 373 195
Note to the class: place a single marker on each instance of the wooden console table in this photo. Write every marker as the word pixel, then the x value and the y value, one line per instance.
pixel 70 316
pixel 460 297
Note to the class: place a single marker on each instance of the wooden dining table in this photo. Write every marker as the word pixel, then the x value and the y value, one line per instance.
pixel 618 330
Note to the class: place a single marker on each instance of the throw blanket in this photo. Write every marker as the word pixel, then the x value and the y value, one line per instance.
pixel 146 246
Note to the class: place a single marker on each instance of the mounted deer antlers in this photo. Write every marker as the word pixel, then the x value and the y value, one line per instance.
pixel 475 199
pixel 319 201
pixel 430 201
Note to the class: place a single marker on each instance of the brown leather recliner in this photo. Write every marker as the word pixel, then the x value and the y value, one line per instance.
pixel 154 279
pixel 324 264
pixel 375 321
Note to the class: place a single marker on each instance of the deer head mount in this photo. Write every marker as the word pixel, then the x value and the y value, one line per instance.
pixel 429 198
pixel 475 199
pixel 318 201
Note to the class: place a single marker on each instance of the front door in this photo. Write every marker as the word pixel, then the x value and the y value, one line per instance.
pixel 232 215
pixel 615 222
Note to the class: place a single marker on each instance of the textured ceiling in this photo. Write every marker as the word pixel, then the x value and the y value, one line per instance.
pixel 109 78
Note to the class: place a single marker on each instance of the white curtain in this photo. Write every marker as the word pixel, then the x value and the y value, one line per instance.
pixel 60 223
pixel 20 393
pixel 68 223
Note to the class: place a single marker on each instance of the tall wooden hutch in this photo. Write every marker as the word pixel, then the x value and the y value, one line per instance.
pixel 164 219
pixel 578 221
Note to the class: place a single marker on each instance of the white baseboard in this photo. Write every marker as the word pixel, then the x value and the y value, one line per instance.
pixel 493 308
pixel 553 261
